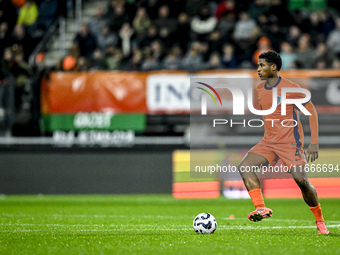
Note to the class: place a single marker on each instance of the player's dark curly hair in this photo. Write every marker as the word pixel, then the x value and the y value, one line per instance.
pixel 272 57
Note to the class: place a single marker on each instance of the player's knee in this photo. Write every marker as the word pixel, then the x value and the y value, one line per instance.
pixel 303 183
pixel 243 168
pixel 248 176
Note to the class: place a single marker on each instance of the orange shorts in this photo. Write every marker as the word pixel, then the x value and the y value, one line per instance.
pixel 289 154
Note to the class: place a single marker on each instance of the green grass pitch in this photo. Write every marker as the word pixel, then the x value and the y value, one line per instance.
pixel 159 224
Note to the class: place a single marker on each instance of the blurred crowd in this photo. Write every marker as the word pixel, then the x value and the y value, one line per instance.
pixel 143 35
pixel 146 35
pixel 23 24
pixel 199 34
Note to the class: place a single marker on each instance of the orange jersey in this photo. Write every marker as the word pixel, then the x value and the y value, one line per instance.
pixel 275 124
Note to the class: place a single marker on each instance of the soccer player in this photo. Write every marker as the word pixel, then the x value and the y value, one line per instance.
pixel 280 142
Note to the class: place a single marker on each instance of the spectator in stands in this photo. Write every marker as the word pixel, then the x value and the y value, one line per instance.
pixel 215 42
pixel 327 22
pixel 320 64
pixel 193 60
pixel 167 38
pixel 135 62
pixel 74 51
pixel 48 13
pixel 21 69
pixel 276 36
pixel 8 14
pixel 151 36
pixel 84 64
pixel 214 62
pixel 40 61
pixel 118 17
pixel 246 30
pixel 98 60
pixel 7 60
pixel 333 39
pixel 150 62
pixel 312 26
pixel 323 56
pixel 203 24
pixel 5 37
pixel 22 40
pixel 226 25
pixel 204 49
pixel 296 65
pixel 229 59
pixel 152 7
pixel 110 9
pixel 141 23
pixel 164 20
pixel 264 23
pixel 157 50
pixel 113 58
pixel 85 41
pixel 263 44
pixel 242 34
pixel 258 8
pixel 305 52
pixel 224 8
pixel 288 55
pixel 245 34
pixel 7 103
pixel 28 14
pixel 127 37
pixel 193 7
pixel 293 36
pixel 336 64
pixel 22 73
pixel 182 33
pixel 18 3
pixel 106 38
pixel 173 60
pixel 97 22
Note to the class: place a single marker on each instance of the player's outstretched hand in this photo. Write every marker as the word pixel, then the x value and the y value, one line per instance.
pixel 312 152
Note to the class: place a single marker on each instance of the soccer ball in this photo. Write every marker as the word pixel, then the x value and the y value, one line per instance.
pixel 204 223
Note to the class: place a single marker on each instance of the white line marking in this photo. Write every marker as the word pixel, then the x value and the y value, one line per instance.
pixel 91 215
pixel 146 216
pixel 148 228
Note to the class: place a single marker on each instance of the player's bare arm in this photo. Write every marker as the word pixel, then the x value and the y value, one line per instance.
pixel 313 148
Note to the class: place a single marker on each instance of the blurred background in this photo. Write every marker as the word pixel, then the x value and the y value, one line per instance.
pixel 95 95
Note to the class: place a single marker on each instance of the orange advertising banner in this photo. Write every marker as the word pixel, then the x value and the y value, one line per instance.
pixel 94 92
pixel 159 92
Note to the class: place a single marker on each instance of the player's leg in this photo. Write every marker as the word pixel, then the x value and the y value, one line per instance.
pixel 246 169
pixel 310 196
pixel 307 189
pixel 252 183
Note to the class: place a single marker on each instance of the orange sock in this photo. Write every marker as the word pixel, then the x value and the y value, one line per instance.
pixel 256 197
pixel 316 210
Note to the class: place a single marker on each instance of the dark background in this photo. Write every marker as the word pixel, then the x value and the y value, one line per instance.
pixel 79 171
